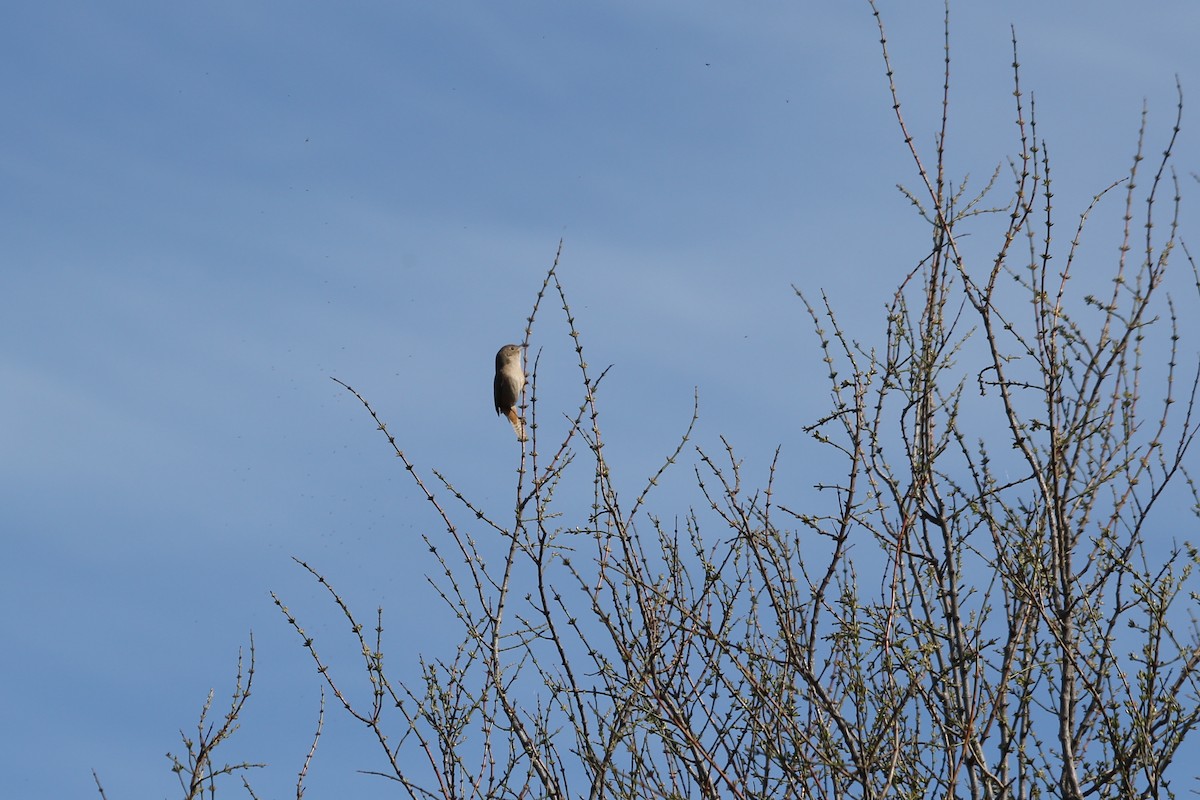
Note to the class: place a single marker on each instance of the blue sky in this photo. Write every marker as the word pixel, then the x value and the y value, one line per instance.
pixel 208 209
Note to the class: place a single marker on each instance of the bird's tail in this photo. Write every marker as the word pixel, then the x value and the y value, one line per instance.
pixel 518 425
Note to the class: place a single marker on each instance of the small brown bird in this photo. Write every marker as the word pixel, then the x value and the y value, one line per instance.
pixel 506 388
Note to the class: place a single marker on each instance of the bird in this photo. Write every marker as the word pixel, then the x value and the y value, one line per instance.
pixel 506 388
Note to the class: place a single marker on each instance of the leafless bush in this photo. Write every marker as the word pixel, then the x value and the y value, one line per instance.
pixel 982 603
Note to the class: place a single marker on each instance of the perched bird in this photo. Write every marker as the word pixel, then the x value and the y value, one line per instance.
pixel 506 388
